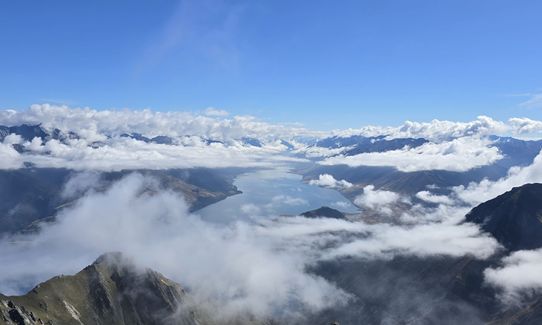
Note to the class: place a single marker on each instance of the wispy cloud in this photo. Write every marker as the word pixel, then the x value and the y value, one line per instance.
pixel 211 111
pixel 519 276
pixel 534 101
pixel 206 27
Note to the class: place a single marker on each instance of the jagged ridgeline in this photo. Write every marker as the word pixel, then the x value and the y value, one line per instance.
pixel 109 291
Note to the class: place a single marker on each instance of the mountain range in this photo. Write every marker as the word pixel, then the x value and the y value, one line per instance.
pixel 515 153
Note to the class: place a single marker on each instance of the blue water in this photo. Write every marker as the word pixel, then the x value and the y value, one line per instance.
pixel 271 193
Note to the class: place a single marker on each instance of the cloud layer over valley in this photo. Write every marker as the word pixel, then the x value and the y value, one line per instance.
pixel 263 264
pixel 265 261
pixel 459 155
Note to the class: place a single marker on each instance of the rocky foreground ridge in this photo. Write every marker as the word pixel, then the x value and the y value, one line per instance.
pixel 109 291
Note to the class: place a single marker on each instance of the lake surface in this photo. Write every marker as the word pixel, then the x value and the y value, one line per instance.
pixel 271 193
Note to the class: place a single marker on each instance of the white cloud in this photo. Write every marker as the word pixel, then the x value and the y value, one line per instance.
pixel 263 264
pixel 518 276
pixel 372 198
pixel 189 134
pixel 94 125
pixel 156 229
pixel 36 145
pixel 215 112
pixel 526 126
pixel 534 101
pixel 380 200
pixel 125 153
pixel 80 183
pixel 215 124
pixel 434 198
pixel 442 238
pixel 327 180
pixel 436 130
pixel 476 193
pixel 449 236
pixel 10 158
pixel 13 139
pixel 461 154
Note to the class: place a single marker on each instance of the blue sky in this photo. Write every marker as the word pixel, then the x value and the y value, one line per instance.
pixel 326 64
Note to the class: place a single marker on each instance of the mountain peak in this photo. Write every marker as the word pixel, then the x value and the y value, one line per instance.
pixel 513 218
pixel 111 290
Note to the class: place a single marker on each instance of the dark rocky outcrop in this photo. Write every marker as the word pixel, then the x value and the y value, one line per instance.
pixel 324 212
pixel 513 218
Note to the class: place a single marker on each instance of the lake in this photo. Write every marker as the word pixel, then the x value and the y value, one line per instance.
pixel 271 193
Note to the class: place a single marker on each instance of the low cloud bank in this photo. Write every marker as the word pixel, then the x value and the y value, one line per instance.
pixel 440 130
pixel 429 197
pixel 476 193
pixel 458 155
pixel 126 153
pixel 254 267
pixel 97 140
pixel 213 138
pixel 232 267
pixel 93 125
pixel 379 200
pixel 519 276
pixel 441 238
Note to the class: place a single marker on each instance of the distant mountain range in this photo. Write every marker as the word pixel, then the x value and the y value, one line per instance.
pixel 357 144
pixel 520 152
pixel 515 153
pixel 28 132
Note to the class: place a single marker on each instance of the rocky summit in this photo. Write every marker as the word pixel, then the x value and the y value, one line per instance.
pixel 109 291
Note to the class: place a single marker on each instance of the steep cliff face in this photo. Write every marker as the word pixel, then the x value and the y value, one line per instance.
pixel 109 291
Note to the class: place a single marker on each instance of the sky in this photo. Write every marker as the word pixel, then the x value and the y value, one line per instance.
pixel 326 64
